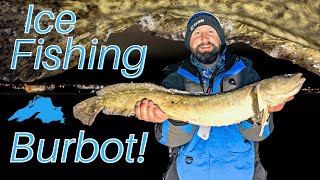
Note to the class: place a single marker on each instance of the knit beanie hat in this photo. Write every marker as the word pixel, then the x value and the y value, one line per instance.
pixel 203 18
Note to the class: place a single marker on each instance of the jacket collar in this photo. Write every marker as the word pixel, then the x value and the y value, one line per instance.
pixel 230 59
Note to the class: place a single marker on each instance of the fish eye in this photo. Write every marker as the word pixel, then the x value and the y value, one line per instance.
pixel 288 75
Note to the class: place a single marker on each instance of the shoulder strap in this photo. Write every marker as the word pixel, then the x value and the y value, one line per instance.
pixel 230 60
pixel 170 68
pixel 185 64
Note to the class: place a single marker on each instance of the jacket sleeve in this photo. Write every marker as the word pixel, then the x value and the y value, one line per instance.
pixel 247 129
pixel 251 132
pixel 170 132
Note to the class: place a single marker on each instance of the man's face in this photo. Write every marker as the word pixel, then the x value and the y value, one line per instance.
pixel 205 43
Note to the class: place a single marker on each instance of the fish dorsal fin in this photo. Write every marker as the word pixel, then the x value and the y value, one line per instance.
pixel 123 87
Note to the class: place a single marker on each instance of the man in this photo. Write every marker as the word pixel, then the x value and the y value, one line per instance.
pixel 198 152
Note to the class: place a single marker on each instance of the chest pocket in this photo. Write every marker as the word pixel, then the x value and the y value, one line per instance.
pixel 230 83
pixel 192 86
pixel 235 142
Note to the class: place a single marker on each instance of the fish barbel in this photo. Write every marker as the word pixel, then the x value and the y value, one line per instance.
pixel 251 101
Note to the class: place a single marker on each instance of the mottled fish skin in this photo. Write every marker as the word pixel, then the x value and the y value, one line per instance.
pixel 252 101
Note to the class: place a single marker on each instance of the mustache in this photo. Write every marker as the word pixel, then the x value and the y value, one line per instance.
pixel 205 44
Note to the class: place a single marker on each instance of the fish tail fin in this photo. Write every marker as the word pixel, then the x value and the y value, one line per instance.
pixel 87 110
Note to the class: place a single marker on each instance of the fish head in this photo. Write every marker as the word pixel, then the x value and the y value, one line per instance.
pixel 278 89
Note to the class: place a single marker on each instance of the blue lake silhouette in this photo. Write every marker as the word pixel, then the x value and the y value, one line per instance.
pixel 42 107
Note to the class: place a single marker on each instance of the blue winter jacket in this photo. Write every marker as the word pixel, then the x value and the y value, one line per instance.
pixel 229 152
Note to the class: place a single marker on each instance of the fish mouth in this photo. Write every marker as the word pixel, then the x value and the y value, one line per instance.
pixel 299 80
pixel 295 83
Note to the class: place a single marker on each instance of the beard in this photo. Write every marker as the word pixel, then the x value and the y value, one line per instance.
pixel 206 57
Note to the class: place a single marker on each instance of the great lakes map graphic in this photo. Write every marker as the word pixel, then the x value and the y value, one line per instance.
pixel 40 107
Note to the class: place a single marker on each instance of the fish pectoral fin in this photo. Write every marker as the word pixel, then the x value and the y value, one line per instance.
pixel 87 110
pixel 260 108
pixel 258 104
pixel 264 119
pixel 261 102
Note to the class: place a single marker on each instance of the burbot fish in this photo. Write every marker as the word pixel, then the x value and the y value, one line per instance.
pixel 251 101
